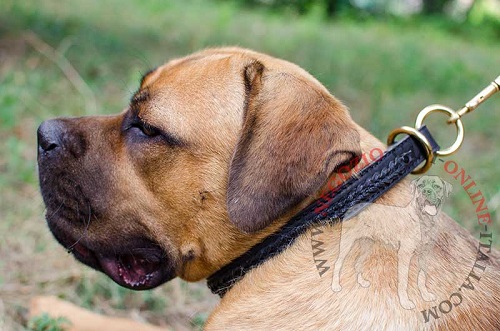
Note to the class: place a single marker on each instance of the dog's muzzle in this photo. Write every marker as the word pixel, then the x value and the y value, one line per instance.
pixel 77 212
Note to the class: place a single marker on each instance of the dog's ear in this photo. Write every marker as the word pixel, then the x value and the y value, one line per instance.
pixel 294 136
pixel 447 188
pixel 413 186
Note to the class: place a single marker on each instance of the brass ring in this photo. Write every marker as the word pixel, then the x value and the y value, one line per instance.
pixel 423 141
pixel 458 124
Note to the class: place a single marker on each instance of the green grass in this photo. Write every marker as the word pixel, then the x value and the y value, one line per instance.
pixel 45 323
pixel 384 72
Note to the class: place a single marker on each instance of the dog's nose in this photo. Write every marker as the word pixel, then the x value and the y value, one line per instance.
pixel 49 136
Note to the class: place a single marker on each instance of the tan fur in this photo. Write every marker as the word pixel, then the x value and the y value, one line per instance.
pixel 212 101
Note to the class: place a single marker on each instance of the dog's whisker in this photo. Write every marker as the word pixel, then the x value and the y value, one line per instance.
pixel 85 229
pixel 55 211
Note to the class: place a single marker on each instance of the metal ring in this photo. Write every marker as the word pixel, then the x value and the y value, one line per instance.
pixel 458 124
pixel 423 141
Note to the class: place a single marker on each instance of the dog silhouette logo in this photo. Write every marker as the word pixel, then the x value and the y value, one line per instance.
pixel 417 236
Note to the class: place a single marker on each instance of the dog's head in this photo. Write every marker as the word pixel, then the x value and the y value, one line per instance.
pixel 214 150
pixel 430 193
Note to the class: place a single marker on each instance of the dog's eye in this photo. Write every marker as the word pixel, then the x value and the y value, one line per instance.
pixel 146 129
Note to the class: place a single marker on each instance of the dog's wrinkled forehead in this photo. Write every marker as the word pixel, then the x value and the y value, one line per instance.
pixel 434 184
pixel 429 181
pixel 192 98
pixel 198 69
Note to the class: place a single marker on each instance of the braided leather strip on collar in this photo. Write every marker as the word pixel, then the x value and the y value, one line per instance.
pixel 359 190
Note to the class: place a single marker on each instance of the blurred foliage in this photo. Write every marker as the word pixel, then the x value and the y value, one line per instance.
pixel 450 14
pixel 46 323
pixel 432 7
pixel 329 7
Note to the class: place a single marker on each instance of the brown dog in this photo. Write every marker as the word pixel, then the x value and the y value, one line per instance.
pixel 216 151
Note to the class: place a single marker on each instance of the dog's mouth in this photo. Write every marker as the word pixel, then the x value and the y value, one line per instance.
pixel 136 272
pixel 140 265
pixel 431 206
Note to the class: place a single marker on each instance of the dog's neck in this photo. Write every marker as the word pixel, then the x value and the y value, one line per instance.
pixel 341 203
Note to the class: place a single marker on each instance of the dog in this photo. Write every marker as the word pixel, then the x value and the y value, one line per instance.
pixel 216 151
pixel 430 193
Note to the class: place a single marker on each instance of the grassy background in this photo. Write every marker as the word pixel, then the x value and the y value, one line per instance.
pixel 384 71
